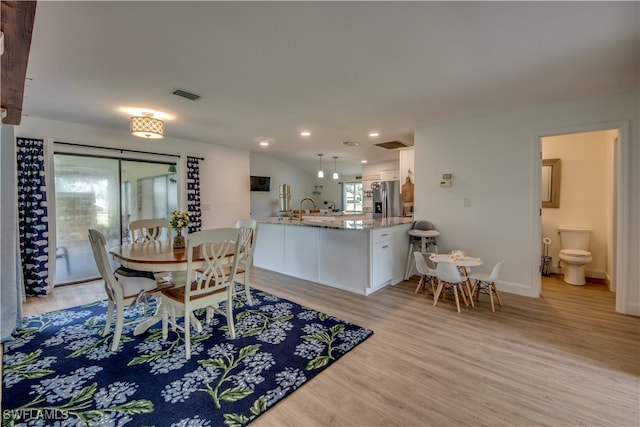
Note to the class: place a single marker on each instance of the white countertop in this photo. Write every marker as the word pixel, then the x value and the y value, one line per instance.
pixel 338 223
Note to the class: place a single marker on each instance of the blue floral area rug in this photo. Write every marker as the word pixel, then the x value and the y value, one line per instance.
pixel 59 371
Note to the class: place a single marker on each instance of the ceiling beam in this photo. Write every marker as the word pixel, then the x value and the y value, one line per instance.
pixel 17 26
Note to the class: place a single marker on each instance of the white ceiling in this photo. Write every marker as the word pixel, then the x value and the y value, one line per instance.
pixel 267 70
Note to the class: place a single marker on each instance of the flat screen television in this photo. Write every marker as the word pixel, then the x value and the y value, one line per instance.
pixel 260 183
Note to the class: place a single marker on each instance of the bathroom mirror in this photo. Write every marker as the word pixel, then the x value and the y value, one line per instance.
pixel 551 183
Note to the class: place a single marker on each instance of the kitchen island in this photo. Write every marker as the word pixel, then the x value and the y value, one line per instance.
pixel 357 255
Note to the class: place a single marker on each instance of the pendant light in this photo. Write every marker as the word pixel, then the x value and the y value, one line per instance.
pixel 320 171
pixel 335 169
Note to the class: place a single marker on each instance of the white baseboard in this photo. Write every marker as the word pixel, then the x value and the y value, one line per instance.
pixel 516 288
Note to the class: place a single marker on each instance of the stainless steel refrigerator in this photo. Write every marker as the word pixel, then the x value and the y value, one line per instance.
pixel 387 201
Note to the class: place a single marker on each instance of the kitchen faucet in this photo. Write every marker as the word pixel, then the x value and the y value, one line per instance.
pixel 301 201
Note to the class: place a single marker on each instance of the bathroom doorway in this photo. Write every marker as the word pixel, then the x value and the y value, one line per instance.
pixel 584 178
pixel 617 259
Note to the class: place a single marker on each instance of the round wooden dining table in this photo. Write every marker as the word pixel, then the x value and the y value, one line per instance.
pixel 153 256
pixel 156 257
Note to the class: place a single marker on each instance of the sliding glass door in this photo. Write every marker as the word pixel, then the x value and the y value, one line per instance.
pixel 106 194
pixel 149 190
pixel 87 196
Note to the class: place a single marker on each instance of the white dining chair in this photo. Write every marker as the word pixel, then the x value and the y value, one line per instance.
pixel 207 283
pixel 486 283
pixel 120 291
pixel 249 229
pixel 144 230
pixel 426 271
pixel 450 279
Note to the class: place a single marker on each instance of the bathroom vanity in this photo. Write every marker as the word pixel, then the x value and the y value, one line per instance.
pixel 357 255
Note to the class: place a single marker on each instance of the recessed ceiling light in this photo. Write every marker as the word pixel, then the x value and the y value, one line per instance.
pixel 264 143
pixel 305 133
pixel 363 161
pixel 350 143
pixel 374 134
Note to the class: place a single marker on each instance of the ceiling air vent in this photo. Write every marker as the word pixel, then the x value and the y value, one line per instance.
pixel 390 145
pixel 185 94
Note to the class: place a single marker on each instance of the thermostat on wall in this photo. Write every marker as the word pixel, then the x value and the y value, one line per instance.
pixel 446 180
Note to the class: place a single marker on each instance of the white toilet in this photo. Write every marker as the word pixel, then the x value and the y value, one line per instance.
pixel 574 253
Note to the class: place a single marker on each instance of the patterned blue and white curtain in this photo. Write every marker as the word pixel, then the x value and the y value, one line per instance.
pixel 193 193
pixel 33 221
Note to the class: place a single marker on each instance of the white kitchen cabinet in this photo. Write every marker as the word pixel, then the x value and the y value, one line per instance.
pixel 367 180
pixel 360 261
pixel 406 164
pixel 383 256
pixel 387 256
pixel 390 175
pixel 381 264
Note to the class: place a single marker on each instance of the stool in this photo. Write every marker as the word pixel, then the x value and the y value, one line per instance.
pixel 427 239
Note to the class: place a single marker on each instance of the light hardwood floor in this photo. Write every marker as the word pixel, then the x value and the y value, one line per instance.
pixel 564 359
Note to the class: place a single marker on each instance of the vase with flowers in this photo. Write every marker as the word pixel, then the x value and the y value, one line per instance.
pixel 179 220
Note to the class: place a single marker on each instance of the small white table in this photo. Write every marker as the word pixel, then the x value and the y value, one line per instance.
pixel 462 262
pixel 465 261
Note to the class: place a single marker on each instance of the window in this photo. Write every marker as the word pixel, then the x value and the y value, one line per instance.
pixel 352 196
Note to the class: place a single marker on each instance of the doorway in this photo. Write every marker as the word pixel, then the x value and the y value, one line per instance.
pixel 620 222
pixel 582 185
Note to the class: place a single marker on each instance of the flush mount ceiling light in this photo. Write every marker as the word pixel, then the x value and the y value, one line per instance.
pixel 320 171
pixel 146 126
pixel 305 133
pixel 374 134
pixel 335 169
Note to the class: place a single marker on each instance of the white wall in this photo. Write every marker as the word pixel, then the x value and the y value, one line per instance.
pixel 266 204
pixel 585 189
pixel 224 174
pixel 496 165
